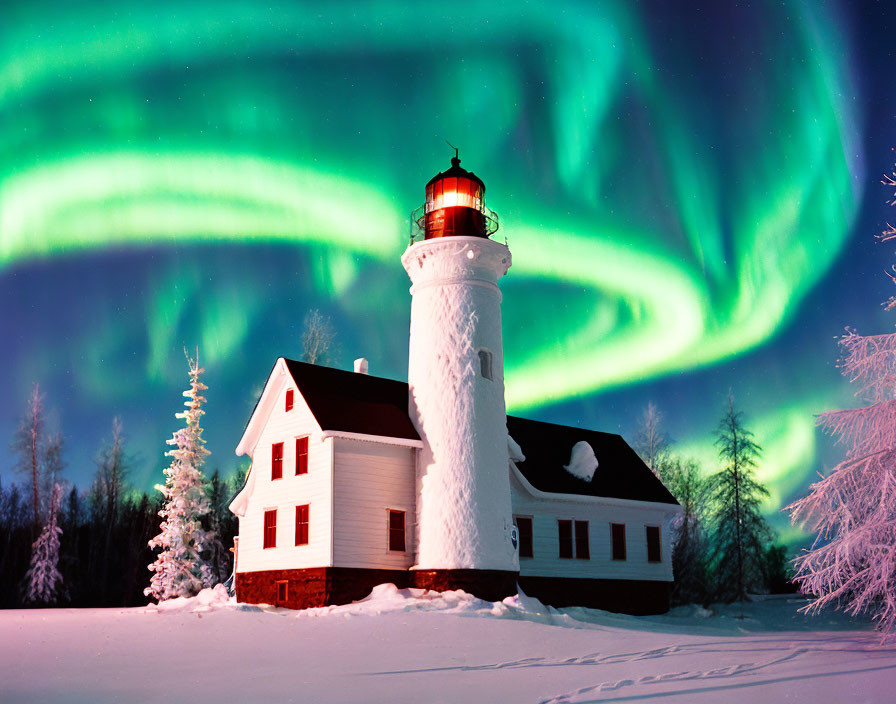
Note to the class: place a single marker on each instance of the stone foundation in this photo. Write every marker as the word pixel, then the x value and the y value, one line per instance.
pixel 491 585
pixel 317 586
pixel 626 596
pixel 325 586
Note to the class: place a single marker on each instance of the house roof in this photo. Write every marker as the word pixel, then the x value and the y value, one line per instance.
pixel 353 402
pixel 620 474
pixel 368 405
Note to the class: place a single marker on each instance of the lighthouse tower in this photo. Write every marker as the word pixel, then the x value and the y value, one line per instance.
pixel 456 380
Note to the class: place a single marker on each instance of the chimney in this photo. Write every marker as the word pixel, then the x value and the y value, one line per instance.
pixel 361 365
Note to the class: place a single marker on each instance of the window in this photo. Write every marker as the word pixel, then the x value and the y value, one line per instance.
pixel 301 456
pixel 290 396
pixel 653 544
pixel 617 533
pixel 270 528
pixel 485 363
pixel 564 529
pixel 282 591
pixel 277 461
pixel 583 551
pixel 396 531
pixel 524 530
pixel 302 525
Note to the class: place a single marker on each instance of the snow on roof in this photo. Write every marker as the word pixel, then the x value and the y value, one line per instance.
pixel 623 475
pixel 582 461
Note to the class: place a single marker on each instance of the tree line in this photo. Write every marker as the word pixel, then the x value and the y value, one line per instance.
pixel 723 547
pixel 103 533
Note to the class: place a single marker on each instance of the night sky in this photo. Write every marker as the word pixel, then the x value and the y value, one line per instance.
pixel 690 196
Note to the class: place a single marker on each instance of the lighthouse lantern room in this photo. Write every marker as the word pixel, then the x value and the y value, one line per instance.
pixel 455 206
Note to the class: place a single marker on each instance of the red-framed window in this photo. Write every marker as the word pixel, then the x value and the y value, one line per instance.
pixel 653 544
pixel 290 398
pixel 270 528
pixel 564 535
pixel 301 456
pixel 282 591
pixel 583 549
pixel 524 531
pixel 396 531
pixel 277 461
pixel 617 536
pixel 302 525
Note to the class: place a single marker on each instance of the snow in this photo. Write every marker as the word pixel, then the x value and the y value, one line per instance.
pixel 582 461
pixel 514 450
pixel 464 514
pixel 402 645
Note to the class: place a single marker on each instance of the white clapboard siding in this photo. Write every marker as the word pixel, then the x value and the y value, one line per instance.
pixel 313 488
pixel 546 561
pixel 369 479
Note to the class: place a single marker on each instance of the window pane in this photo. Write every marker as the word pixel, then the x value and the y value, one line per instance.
pixel 277 461
pixel 653 544
pixel 524 529
pixel 302 456
pixel 302 525
pixel 583 550
pixel 396 531
pixel 618 535
pixel 289 399
pixel 564 529
pixel 270 528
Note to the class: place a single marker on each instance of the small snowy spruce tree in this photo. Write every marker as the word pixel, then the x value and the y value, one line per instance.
pixel 179 569
pixel 852 562
pixel 739 532
pixel 43 580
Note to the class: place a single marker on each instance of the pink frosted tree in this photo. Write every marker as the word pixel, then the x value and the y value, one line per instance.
pixel 43 580
pixel 179 569
pixel 852 562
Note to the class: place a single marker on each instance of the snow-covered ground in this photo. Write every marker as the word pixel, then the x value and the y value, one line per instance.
pixel 408 646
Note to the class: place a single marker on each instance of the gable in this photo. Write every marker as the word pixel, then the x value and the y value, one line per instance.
pixel 354 403
pixel 265 406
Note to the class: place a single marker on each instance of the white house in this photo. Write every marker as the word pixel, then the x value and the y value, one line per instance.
pixel 358 480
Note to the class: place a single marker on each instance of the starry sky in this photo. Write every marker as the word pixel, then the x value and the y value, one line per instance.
pixel 690 196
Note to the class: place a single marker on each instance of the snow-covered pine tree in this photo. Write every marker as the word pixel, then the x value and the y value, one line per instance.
pixel 43 580
pixel 852 562
pixel 739 532
pixel 179 569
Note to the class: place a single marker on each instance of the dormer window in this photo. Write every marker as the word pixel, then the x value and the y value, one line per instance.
pixel 290 396
pixel 485 364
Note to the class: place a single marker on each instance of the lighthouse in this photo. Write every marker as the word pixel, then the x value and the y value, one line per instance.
pixel 456 391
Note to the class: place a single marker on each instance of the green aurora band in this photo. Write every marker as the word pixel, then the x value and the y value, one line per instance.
pixel 676 246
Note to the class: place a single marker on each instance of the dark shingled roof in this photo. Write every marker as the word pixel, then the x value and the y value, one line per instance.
pixel 620 475
pixel 359 403
pixel 352 402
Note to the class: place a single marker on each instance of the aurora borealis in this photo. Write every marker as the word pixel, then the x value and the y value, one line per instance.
pixel 690 197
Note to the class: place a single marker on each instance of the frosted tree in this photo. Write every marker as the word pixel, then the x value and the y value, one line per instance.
pixel 651 442
pixel 852 562
pixel 739 532
pixel 318 339
pixel 43 580
pixel 28 444
pixel 179 569
pixel 689 552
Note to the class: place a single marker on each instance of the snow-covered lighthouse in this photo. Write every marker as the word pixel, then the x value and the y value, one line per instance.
pixel 456 391
pixel 357 480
